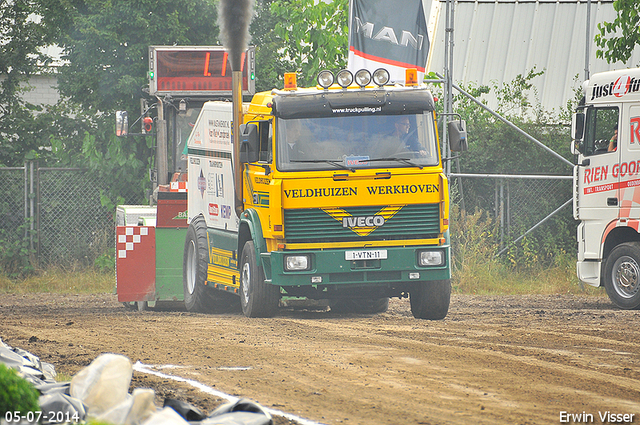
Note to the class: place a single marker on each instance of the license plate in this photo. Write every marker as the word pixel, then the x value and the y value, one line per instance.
pixel 378 254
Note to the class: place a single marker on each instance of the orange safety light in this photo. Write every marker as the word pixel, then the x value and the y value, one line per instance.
pixel 147 124
pixel 290 81
pixel 411 77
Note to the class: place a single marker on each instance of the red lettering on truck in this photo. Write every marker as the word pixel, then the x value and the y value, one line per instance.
pixel 595 174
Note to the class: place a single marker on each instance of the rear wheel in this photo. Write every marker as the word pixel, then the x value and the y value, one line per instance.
pixel 257 298
pixel 622 276
pixel 430 300
pixel 197 297
pixel 362 305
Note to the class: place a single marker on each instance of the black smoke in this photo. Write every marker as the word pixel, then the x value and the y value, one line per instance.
pixel 234 17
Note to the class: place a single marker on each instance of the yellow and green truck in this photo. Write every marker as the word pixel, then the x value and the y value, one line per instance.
pixel 334 193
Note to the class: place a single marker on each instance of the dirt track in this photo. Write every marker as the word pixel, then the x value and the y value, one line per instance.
pixel 493 360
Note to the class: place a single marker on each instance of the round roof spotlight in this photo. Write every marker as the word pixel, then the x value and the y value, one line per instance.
pixel 325 79
pixel 344 78
pixel 363 78
pixel 381 76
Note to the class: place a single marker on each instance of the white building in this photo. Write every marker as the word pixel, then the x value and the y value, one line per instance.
pixel 495 40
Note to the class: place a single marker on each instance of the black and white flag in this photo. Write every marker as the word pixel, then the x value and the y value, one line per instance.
pixel 390 34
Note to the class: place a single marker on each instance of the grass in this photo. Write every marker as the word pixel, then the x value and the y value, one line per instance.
pixel 479 275
pixel 491 277
pixel 477 270
pixel 55 280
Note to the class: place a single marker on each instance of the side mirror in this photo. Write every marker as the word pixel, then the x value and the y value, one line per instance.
pixel 249 143
pixel 457 131
pixel 577 133
pixel 122 123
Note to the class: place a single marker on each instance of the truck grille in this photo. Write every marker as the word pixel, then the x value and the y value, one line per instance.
pixel 315 225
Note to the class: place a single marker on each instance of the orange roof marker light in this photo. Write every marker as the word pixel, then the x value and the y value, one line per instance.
pixel 411 77
pixel 290 81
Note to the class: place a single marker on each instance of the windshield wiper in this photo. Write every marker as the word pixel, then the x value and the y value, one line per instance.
pixel 450 158
pixel 327 161
pixel 404 160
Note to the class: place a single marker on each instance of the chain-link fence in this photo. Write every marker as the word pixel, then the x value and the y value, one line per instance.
pixel 60 212
pixel 14 204
pixel 521 205
pixel 57 213
pixel 72 225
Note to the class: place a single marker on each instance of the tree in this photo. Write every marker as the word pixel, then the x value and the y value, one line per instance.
pixel 106 54
pixel 314 35
pixel 614 47
pixel 25 27
pixel 106 46
pixel 270 66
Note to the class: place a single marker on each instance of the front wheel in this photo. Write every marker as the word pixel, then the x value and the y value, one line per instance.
pixel 430 300
pixel 622 276
pixel 257 298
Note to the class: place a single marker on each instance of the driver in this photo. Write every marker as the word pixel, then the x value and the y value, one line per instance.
pixel 401 132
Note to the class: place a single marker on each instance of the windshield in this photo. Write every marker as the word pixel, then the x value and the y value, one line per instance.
pixel 361 141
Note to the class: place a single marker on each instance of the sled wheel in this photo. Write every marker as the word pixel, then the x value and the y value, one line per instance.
pixel 363 306
pixel 622 276
pixel 257 298
pixel 194 267
pixel 430 300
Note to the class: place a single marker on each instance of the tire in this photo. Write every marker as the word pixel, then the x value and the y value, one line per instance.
pixel 257 298
pixel 197 297
pixel 362 306
pixel 430 300
pixel 142 305
pixel 622 276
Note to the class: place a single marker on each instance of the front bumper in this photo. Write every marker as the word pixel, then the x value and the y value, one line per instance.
pixel 330 267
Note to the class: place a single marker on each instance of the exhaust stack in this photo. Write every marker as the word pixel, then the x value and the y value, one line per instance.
pixel 236 82
pixel 234 17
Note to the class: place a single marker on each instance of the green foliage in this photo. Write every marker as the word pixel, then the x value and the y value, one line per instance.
pixel 106 262
pixel 22 36
pixel 314 34
pixel 496 148
pixel 270 66
pixel 16 394
pixel 477 270
pixel 106 46
pixel 16 254
pixel 618 39
pixel 106 51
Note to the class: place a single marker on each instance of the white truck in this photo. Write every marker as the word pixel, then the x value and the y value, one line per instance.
pixel 606 140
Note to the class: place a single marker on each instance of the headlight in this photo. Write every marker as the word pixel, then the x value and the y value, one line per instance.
pixel 325 79
pixel 363 78
pixel 431 258
pixel 293 263
pixel 380 76
pixel 344 78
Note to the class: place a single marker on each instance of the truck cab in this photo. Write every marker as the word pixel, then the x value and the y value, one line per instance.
pixel 606 133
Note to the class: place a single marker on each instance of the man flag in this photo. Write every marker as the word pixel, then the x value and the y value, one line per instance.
pixel 390 34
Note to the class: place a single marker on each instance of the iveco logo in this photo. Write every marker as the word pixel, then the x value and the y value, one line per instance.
pixel 366 221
